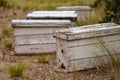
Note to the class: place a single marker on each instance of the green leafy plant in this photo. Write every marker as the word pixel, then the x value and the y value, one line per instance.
pixel 16 71
pixel 43 58
pixel 3 3
pixel 112 10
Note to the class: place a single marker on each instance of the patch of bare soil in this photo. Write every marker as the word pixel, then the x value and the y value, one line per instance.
pixel 41 71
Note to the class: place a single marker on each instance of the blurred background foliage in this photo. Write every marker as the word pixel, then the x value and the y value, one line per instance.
pixel 105 10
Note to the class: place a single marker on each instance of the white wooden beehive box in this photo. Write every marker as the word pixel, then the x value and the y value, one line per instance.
pixel 59 15
pixel 81 48
pixel 36 36
pixel 82 11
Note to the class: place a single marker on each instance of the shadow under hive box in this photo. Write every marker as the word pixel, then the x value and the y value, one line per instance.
pixel 54 15
pixel 36 36
pixel 78 48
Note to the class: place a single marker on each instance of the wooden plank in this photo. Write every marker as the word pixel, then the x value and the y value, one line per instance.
pixel 83 12
pixel 40 23
pixel 92 50
pixel 94 40
pixel 34 39
pixel 52 14
pixel 87 63
pixel 61 56
pixel 74 8
pixel 33 31
pixel 35 49
pixel 81 33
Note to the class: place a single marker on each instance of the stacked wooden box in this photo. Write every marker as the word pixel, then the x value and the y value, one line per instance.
pixel 82 11
pixel 82 47
pixel 76 48
pixel 54 15
pixel 36 36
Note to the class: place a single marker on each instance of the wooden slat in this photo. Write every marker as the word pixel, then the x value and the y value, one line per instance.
pixel 52 14
pixel 40 23
pixel 92 50
pixel 94 40
pixel 35 49
pixel 74 8
pixel 34 39
pixel 33 31
pixel 78 33
pixel 87 63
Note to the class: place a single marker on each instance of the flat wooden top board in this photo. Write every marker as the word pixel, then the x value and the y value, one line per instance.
pixel 40 23
pixel 52 14
pixel 88 31
pixel 74 8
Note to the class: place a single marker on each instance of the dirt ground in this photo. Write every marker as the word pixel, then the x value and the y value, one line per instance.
pixel 41 71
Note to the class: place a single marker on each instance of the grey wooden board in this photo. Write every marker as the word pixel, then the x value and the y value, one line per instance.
pixel 61 57
pixel 94 40
pixel 74 8
pixel 83 12
pixel 52 14
pixel 87 63
pixel 80 33
pixel 40 23
pixel 33 31
pixel 85 56
pixel 34 39
pixel 35 49
pixel 92 50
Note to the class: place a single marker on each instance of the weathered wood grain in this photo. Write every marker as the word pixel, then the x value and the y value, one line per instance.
pixel 36 36
pixel 33 31
pixel 52 14
pixel 82 11
pixel 92 50
pixel 80 33
pixel 40 23
pixel 35 49
pixel 83 48
pixel 34 39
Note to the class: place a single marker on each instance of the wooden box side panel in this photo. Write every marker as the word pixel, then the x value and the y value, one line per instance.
pixel 33 31
pixel 92 47
pixel 82 15
pixel 35 49
pixel 87 63
pixel 34 39
pixel 61 50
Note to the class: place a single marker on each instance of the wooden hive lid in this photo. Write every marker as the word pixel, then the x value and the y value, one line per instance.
pixel 88 31
pixel 75 8
pixel 52 15
pixel 40 23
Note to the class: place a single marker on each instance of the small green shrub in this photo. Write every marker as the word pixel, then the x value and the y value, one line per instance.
pixel 3 3
pixel 6 32
pixel 8 44
pixel 43 58
pixel 16 71
pixel 112 10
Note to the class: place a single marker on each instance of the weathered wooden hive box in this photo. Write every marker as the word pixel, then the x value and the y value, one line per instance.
pixel 82 47
pixel 59 15
pixel 36 36
pixel 82 11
